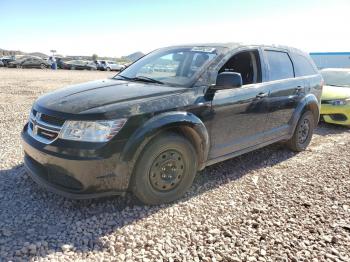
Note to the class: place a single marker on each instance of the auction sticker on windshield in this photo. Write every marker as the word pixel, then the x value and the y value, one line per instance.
pixel 203 49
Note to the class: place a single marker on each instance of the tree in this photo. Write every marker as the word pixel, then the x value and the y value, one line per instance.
pixel 94 57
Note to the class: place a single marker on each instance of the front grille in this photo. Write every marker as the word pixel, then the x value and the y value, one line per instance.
pixel 47 134
pixel 52 120
pixel 44 128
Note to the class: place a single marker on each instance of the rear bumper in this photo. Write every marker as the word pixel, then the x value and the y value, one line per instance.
pixel 336 114
pixel 76 177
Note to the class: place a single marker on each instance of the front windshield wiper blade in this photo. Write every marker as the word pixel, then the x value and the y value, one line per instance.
pixel 126 78
pixel 141 78
pixel 147 79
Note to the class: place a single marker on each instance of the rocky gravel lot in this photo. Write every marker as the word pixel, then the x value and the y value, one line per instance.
pixel 268 205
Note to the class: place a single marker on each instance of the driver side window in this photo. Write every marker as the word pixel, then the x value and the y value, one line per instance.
pixel 247 63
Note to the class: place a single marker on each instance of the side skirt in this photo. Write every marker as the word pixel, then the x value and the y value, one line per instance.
pixel 246 150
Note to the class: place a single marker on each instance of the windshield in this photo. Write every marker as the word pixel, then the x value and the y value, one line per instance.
pixel 177 66
pixel 336 78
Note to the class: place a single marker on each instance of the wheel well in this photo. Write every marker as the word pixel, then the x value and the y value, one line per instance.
pixel 192 136
pixel 314 109
pixel 187 132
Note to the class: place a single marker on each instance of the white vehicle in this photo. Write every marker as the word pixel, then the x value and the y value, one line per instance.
pixel 110 66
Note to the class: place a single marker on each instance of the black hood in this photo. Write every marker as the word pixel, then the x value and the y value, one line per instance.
pixel 84 98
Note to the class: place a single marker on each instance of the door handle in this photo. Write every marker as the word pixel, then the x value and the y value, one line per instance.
pixel 262 95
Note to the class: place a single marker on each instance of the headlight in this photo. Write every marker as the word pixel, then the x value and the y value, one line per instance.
pixel 340 102
pixel 91 131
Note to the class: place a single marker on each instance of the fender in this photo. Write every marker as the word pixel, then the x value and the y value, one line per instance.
pixel 309 102
pixel 163 122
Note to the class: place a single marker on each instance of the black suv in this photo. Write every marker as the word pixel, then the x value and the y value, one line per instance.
pixel 170 114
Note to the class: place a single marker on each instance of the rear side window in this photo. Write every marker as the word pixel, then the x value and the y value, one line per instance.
pixel 281 66
pixel 303 66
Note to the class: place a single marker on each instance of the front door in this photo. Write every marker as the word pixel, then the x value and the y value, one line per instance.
pixel 28 63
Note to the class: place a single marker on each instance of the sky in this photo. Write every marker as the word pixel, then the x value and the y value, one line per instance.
pixel 117 28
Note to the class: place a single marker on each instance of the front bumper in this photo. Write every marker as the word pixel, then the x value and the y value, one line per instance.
pixel 339 115
pixel 81 175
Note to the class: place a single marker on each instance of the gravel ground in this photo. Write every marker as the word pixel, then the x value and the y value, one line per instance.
pixel 268 205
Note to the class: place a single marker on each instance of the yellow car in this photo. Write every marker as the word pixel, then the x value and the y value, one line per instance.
pixel 335 108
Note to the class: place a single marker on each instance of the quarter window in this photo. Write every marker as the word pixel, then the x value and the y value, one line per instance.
pixel 281 66
pixel 303 67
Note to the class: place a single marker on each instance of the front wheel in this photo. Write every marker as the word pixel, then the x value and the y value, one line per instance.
pixel 165 169
pixel 42 66
pixel 303 132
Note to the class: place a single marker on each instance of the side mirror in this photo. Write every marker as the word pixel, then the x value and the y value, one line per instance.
pixel 227 80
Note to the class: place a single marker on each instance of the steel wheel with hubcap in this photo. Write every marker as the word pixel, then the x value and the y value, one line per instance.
pixel 303 132
pixel 165 169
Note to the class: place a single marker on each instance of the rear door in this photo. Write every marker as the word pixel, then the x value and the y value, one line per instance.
pixel 285 91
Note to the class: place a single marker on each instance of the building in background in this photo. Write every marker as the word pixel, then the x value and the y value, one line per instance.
pixel 331 59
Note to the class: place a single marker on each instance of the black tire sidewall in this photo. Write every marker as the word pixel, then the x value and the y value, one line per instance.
pixel 300 147
pixel 141 185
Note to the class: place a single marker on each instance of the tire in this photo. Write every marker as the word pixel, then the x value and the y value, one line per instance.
pixel 303 132
pixel 108 69
pixel 19 66
pixel 72 68
pixel 176 157
pixel 42 66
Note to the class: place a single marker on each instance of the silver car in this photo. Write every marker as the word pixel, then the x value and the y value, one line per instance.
pixel 111 66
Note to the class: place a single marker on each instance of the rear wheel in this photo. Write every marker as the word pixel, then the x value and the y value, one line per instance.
pixel 108 69
pixel 303 132
pixel 165 169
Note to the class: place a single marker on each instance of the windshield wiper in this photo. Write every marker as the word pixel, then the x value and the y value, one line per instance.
pixel 146 79
pixel 126 78
pixel 142 79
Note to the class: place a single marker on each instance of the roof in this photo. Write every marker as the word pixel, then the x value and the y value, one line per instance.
pixel 234 45
pixel 330 53
pixel 336 69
